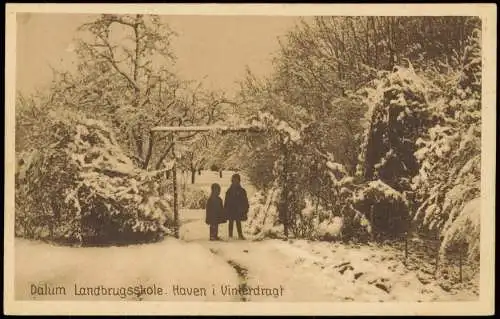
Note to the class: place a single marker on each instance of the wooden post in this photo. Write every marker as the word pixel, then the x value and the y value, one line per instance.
pixel 317 204
pixel 285 188
pixel 408 232
pixel 371 222
pixel 406 247
pixel 460 253
pixel 437 257
pixel 176 205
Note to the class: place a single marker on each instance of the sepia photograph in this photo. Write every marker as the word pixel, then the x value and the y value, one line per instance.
pixel 271 159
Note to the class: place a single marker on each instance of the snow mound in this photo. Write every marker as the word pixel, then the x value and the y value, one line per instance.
pixel 464 233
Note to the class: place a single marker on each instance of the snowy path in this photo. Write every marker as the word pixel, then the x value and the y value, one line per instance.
pixel 263 264
pixel 317 271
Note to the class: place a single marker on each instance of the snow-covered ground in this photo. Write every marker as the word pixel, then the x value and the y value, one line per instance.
pixel 307 271
pixel 294 270
pixel 165 264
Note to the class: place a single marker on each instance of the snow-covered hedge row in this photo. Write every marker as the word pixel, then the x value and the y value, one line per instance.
pixel 312 217
pixel 83 189
pixel 448 184
pixel 419 160
pixel 423 142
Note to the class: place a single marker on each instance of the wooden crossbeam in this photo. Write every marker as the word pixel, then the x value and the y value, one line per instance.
pixel 211 128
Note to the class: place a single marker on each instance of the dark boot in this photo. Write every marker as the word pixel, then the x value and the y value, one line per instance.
pixel 231 228
pixel 213 232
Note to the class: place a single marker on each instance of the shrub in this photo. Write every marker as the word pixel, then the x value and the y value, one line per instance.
pixel 462 237
pixel 449 155
pixel 263 220
pixel 84 189
pixel 385 208
pixel 397 116
pixel 214 168
pixel 330 229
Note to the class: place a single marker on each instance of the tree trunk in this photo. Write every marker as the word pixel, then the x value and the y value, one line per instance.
pixel 176 205
pixel 220 174
pixel 193 175
pixel 149 151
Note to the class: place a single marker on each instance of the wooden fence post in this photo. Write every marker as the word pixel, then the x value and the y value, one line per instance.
pixel 460 261
pixel 406 248
pixel 372 235
pixel 436 267
pixel 408 233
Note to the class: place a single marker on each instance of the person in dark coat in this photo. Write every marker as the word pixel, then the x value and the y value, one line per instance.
pixel 215 212
pixel 236 205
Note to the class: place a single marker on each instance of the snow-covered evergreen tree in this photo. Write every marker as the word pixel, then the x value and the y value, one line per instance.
pixel 449 153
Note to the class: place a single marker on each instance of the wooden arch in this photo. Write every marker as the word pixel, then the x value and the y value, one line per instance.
pixel 212 128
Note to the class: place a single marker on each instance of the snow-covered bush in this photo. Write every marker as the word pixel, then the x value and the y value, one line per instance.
pixel 397 116
pixel 449 176
pixel 330 229
pixel 449 154
pixel 193 198
pixel 81 188
pixel 462 237
pixel 263 220
pixel 324 213
pixel 385 208
pixel 305 222
pixel 340 219
pixel 314 189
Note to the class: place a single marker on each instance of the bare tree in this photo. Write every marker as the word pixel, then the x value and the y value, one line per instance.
pixel 125 77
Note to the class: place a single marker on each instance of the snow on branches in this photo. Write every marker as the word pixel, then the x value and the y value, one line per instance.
pixel 464 233
pixel 267 121
pixel 385 208
pixel 84 189
pixel 263 220
pixel 449 154
pixel 397 115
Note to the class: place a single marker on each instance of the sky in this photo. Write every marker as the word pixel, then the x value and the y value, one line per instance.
pixel 216 48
